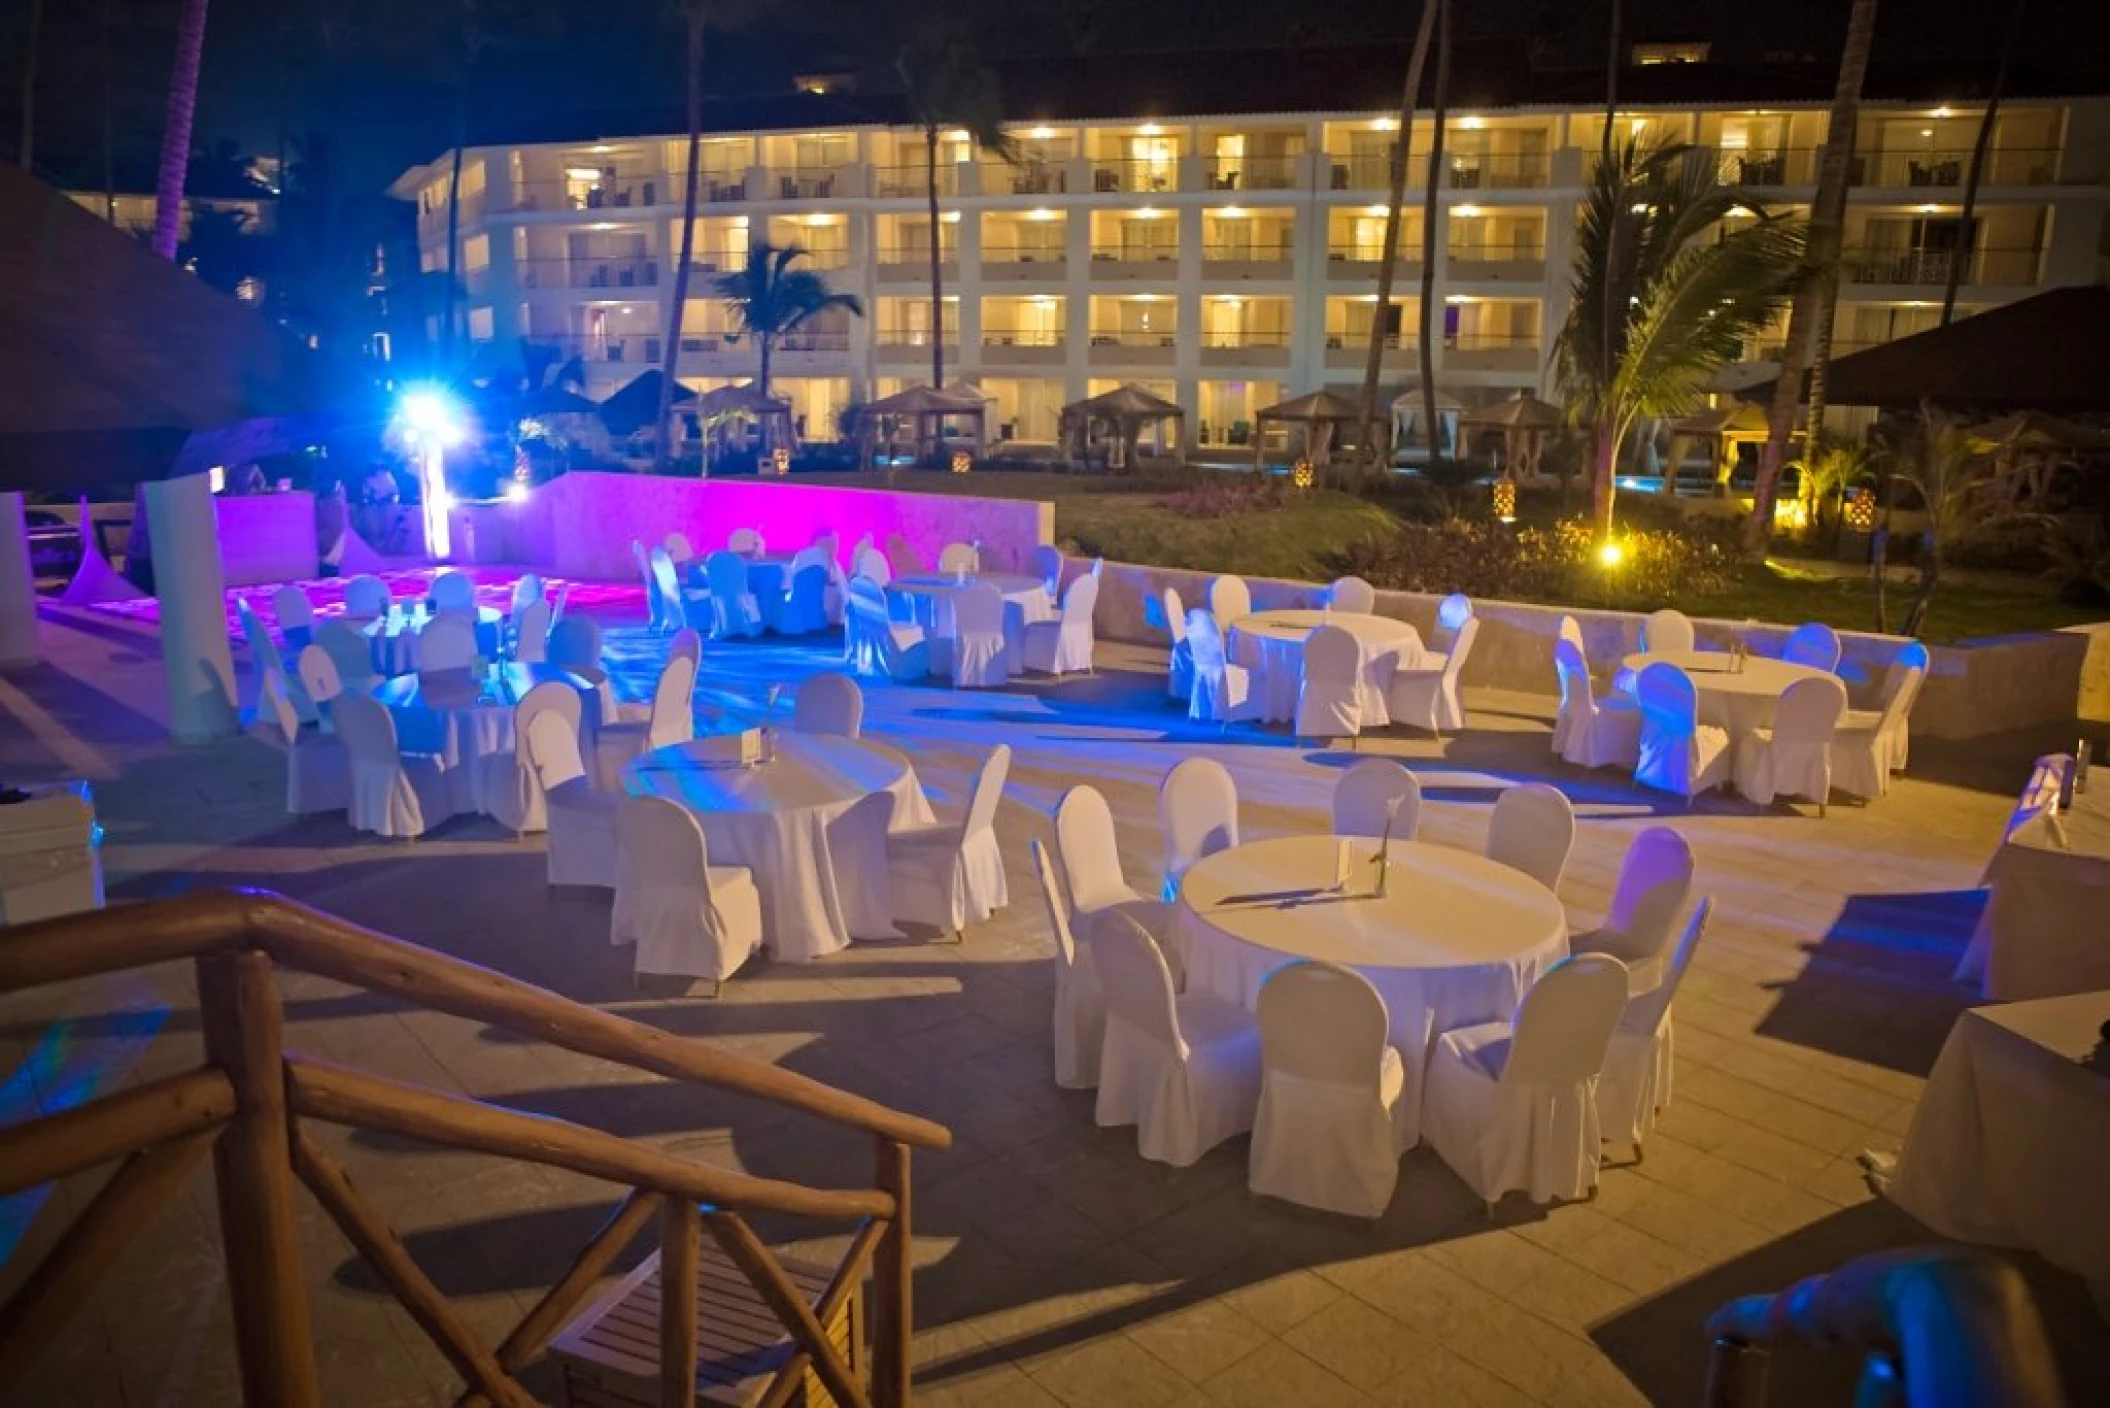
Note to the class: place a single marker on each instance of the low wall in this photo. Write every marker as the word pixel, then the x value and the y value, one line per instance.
pixel 266 537
pixel 582 525
pixel 1974 689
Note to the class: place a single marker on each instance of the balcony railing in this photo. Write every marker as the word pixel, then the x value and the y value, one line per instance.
pixel 811 182
pixel 894 182
pixel 912 337
pixel 916 252
pixel 1133 337
pixel 1250 173
pixel 1488 341
pixel 2003 268
pixel 1110 174
pixel 1023 254
pixel 1360 340
pixel 1244 337
pixel 1136 254
pixel 1035 178
pixel 1409 251
pixel 1491 171
pixel 641 349
pixel 625 272
pixel 1022 337
pixel 642 190
pixel 1524 251
pixel 1261 251
pixel 822 342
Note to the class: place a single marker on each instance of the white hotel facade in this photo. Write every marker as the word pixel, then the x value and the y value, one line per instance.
pixel 1225 261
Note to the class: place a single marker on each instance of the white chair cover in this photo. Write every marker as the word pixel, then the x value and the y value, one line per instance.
pixel 1637 1070
pixel 1372 792
pixel 680 551
pixel 1667 632
pixel 1179 665
pixel 1064 645
pixel 575 644
pixel 656 590
pixel 296 614
pixel 1897 678
pixel 365 597
pixel 349 651
pixel 1678 753
pixel 955 558
pixel 319 679
pixel 531 633
pixel 1655 881
pixel 1330 697
pixel 747 542
pixel 1326 1135
pixel 686 916
pixel 1184 1070
pixel 1428 698
pixel 1352 594
pixel 803 609
pixel 392 794
pixel 686 644
pixel 1588 733
pixel 1222 691
pixel 1230 600
pixel 1862 755
pixel 447 643
pixel 1532 830
pixel 829 703
pixel 516 797
pixel 1451 615
pixel 981 658
pixel 1088 861
pixel 1513 1105
pixel 1197 816
pixel 563 600
pixel 902 556
pixel 1794 757
pixel 680 605
pixel 872 563
pixel 838 592
pixel 877 645
pixel 734 610
pixel 527 587
pixel 318 771
pixel 581 820
pixel 1047 565
pixel 950 876
pixel 671 720
pixel 1813 644
pixel 453 593
pixel 1080 1007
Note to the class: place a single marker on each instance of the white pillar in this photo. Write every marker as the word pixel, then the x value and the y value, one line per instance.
pixel 184 532
pixel 18 588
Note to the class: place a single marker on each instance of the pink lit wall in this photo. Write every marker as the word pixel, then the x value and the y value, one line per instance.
pixel 266 537
pixel 582 525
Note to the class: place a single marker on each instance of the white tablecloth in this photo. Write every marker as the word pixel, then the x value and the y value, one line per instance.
pixel 1456 940
pixel 394 637
pixel 929 597
pixel 1271 645
pixel 465 718
pixel 2045 931
pixel 2011 1140
pixel 1741 701
pixel 812 825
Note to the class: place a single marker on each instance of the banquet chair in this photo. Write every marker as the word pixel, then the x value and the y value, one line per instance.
pixel 734 610
pixel 1451 615
pixel 447 642
pixel 877 645
pixel 829 703
pixel 271 662
pixel 686 917
pixel 1327 1133
pixel 1080 1006
pixel 527 588
pixel 1222 691
pixel 531 633
pixel 1183 1068
pixel 1197 816
pixel 680 551
pixel 349 650
pixel 1179 665
pixel 296 615
pixel 686 644
pixel 1861 753
pixel 393 794
pixel 1532 830
pixel 656 607
pixel 747 542
pixel 1813 644
pixel 1064 644
pixel 319 680
pixel 1793 758
pixel 580 818
pixel 1655 881
pixel 563 600
pixel 575 645
pixel 1569 632
pixel 1352 595
pixel 1637 1069
pixel 318 770
pixel 1330 696
pixel 828 547
pixel 365 597
pixel 1427 697
pixel 1098 567
pixel 802 607
pixel 1046 564
pixel 1088 862
pixel 871 564
pixel 981 658
pixel 1911 656
pixel 901 555
pixel 957 558
pixel 1678 753
pixel 682 605
pixel 452 593
pixel 671 720
pixel 950 875
pixel 1513 1105
pixel 1374 791
pixel 1592 733
pixel 1230 600
pixel 1667 632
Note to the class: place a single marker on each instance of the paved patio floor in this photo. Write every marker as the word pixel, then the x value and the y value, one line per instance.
pixel 1055 1266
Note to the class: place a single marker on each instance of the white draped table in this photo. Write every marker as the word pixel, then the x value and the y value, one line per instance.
pixel 465 717
pixel 811 824
pixel 1271 645
pixel 394 637
pixel 2044 930
pixel 929 597
pixel 1739 701
pixel 1456 940
pixel 2011 1140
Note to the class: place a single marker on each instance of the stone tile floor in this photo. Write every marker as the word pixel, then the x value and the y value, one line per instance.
pixel 1055 1266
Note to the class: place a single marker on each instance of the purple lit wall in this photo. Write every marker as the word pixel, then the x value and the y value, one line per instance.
pixel 266 537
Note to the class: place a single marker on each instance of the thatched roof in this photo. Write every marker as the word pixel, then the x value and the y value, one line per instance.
pixel 2050 353
pixel 743 399
pixel 923 401
pixel 1126 402
pixel 1312 407
pixel 1411 400
pixel 1522 411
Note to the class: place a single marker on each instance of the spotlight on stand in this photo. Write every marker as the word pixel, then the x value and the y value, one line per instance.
pixel 431 422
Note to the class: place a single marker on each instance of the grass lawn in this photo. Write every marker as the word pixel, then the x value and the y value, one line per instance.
pixel 1131 520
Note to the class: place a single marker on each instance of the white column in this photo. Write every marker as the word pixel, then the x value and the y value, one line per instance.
pixel 18 589
pixel 184 531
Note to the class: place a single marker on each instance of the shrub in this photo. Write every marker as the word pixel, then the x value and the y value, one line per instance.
pixel 1227 495
pixel 1558 564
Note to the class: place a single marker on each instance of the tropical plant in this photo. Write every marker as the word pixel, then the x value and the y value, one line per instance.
pixel 221 249
pixel 948 87
pixel 768 299
pixel 175 136
pixel 1656 307
pixel 1809 342
pixel 1954 483
pixel 1431 223
pixel 1826 477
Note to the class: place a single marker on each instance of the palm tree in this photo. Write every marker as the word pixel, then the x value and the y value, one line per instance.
pixel 175 137
pixel 768 299
pixel 1957 494
pixel 1366 436
pixel 1680 304
pixel 1430 226
pixel 29 86
pixel 1977 172
pixel 948 86
pixel 1810 321
pixel 694 15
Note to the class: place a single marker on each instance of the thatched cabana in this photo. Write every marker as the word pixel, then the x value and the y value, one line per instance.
pixel 926 410
pixel 1125 412
pixel 1722 432
pixel 1525 421
pixel 1407 412
pixel 1319 413
pixel 727 412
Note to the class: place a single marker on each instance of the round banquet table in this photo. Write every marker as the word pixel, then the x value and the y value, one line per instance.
pixel 459 717
pixel 1456 940
pixel 394 637
pixel 812 825
pixel 928 598
pixel 1271 645
pixel 1738 702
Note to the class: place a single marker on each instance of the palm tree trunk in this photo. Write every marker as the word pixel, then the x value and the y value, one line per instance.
pixel 1978 151
pixel 1930 577
pixel 1366 435
pixel 1809 321
pixel 109 115
pixel 175 135
pixel 29 85
pixel 766 344
pixel 670 355
pixel 1604 458
pixel 451 296
pixel 1611 81
pixel 937 270
pixel 1430 208
pixel 1609 319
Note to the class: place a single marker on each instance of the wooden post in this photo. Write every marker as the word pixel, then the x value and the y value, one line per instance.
pixel 680 1250
pixel 893 1317
pixel 274 1335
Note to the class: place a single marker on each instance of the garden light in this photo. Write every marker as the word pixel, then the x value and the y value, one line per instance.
pixel 516 492
pixel 430 415
pixel 1610 554
pixel 1861 510
pixel 962 462
pixel 1506 499
pixel 1301 474
pixel 781 460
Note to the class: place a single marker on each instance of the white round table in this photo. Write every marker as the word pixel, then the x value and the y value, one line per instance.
pixel 1456 940
pixel 394 637
pixel 1271 645
pixel 811 824
pixel 929 596
pixel 458 716
pixel 1739 701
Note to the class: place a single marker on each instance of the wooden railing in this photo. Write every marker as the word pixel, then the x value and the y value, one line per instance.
pixel 248 1106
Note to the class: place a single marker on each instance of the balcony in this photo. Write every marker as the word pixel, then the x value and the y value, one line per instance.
pixel 1023 347
pixel 1352 349
pixel 636 191
pixel 610 273
pixel 1250 173
pixel 911 346
pixel 1492 171
pixel 909 263
pixel 1519 261
pixel 902 182
pixel 1922 268
pixel 805 353
pixel 1491 352
pixel 620 348
pixel 1247 259
pixel 1949 170
pixel 1154 262
pixel 1360 264
pixel 1115 174
pixel 1032 178
pixel 1015 263
pixel 1245 348
pixel 1130 347
pixel 722 188
pixel 1772 169
pixel 813 183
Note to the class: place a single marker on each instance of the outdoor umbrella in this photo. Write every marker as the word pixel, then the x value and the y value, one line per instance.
pixel 636 405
